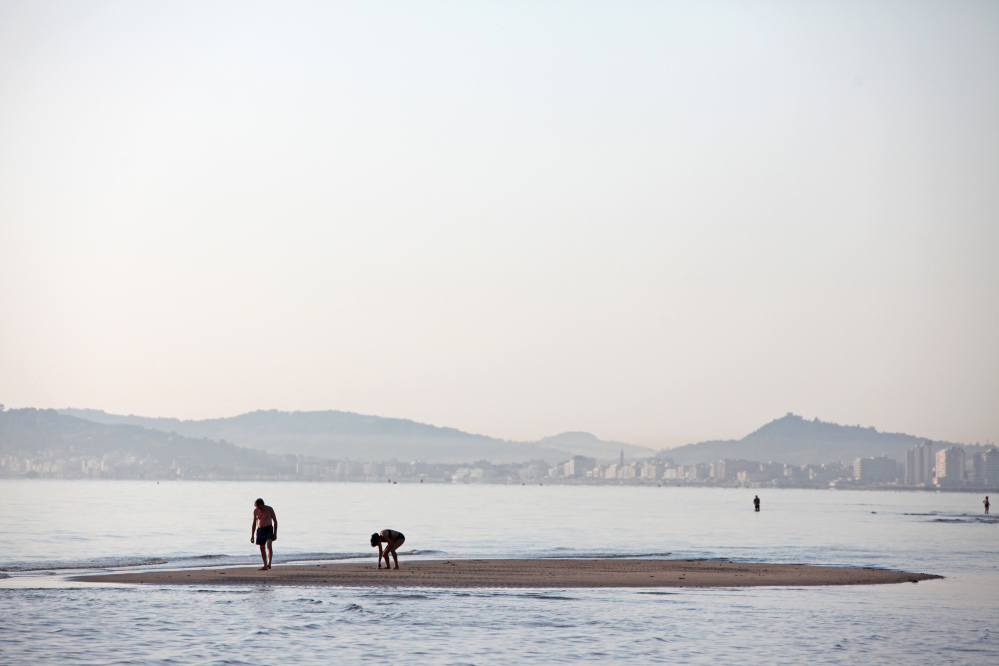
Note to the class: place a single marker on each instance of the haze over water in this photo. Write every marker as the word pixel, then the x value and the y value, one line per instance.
pixel 54 524
pixel 660 223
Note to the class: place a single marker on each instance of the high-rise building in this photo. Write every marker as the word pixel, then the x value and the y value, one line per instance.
pixel 986 468
pixel 950 466
pixel 875 470
pixel 728 470
pixel 652 470
pixel 919 465
pixel 579 466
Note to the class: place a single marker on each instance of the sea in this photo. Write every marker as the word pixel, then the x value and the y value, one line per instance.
pixel 55 529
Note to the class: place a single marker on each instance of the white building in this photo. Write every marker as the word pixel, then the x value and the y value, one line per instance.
pixel 950 466
pixel 919 463
pixel 875 470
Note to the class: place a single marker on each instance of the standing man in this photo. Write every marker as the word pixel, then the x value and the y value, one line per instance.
pixel 986 503
pixel 756 502
pixel 265 526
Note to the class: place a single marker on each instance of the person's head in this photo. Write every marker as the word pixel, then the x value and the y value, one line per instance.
pixel 376 539
pixel 259 503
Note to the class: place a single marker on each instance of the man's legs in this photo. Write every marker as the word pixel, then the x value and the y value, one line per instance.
pixel 270 552
pixel 263 554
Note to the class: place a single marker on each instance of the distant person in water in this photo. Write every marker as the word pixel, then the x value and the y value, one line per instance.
pixel 392 541
pixel 986 503
pixel 264 528
pixel 756 502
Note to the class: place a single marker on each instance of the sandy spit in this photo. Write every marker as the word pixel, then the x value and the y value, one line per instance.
pixel 549 573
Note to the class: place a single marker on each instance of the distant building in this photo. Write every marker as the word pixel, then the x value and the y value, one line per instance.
pixel 875 470
pixel 698 471
pixel 950 466
pixel 308 469
pixel 652 470
pixel 986 467
pixel 579 466
pixel 919 462
pixel 728 470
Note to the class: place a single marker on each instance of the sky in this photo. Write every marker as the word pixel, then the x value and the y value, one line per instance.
pixel 659 222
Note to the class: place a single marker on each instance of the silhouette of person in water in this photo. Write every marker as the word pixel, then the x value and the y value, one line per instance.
pixel 393 540
pixel 756 502
pixel 265 524
pixel 986 503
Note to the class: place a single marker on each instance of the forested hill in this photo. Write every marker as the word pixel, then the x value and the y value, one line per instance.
pixel 346 435
pixel 797 441
pixel 46 434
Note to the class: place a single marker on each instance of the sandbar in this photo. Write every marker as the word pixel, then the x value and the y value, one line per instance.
pixel 546 573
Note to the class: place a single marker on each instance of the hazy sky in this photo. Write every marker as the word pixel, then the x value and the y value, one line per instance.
pixel 660 222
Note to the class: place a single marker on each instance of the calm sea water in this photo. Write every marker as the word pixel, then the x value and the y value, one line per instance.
pixel 56 528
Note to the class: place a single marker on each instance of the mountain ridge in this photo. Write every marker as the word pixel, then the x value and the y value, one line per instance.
pixel 795 440
pixel 347 435
pixel 336 434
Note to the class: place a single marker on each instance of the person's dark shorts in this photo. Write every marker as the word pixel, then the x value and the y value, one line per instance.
pixel 265 534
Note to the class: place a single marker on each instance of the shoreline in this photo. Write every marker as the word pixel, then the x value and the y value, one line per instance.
pixel 527 573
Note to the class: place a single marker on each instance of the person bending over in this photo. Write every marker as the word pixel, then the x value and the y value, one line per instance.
pixel 392 541
pixel 265 524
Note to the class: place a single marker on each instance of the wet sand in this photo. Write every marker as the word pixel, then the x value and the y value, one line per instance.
pixel 549 573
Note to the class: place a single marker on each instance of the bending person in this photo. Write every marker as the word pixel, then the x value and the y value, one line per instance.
pixel 392 541
pixel 265 524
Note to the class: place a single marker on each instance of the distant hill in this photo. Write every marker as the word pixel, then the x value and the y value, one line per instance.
pixel 797 441
pixel 45 433
pixel 350 436
pixel 585 444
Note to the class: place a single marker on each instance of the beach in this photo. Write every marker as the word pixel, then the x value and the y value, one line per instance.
pixel 524 573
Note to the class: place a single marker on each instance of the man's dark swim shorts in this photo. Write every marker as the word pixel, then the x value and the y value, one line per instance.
pixel 265 534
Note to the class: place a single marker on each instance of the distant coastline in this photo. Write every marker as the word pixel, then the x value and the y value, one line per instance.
pixel 51 444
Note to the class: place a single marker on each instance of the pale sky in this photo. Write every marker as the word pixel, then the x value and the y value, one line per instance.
pixel 659 222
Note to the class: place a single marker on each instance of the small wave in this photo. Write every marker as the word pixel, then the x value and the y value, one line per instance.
pixel 604 556
pixel 313 557
pixel 397 596
pixel 100 563
pixel 543 596
pixel 180 562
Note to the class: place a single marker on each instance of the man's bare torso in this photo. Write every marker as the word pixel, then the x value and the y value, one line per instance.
pixel 263 516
